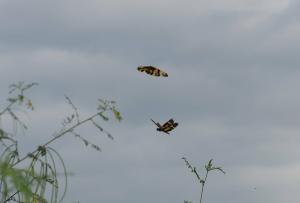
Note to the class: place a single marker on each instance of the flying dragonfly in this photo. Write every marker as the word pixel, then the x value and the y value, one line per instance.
pixel 166 127
pixel 151 70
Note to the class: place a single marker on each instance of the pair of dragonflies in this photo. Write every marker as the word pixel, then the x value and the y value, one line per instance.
pixel 170 124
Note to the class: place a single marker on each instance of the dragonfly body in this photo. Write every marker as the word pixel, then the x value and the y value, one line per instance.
pixel 166 127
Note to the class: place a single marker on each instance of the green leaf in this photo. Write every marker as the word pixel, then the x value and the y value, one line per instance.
pixel 29 104
pixel 43 150
pixel 117 114
pixel 209 165
pixel 19 178
pixel 96 147
pixel 218 168
pixel 20 98
pixel 105 118
pixel 85 142
pixel 2 133
pixel 12 100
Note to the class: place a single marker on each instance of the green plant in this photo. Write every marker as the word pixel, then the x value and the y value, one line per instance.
pixel 36 180
pixel 209 167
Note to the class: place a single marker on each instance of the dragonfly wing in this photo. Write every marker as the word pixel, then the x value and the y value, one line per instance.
pixel 168 126
pixel 151 70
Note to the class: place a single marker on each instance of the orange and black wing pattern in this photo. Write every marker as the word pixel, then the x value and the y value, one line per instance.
pixel 168 126
pixel 151 70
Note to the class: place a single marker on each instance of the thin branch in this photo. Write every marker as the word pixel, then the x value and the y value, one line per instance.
pixel 74 108
pixel 58 136
pixel 203 184
pixel 11 197
pixel 8 107
pixel 208 167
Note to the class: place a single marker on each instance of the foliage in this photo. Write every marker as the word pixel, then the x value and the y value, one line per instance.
pixel 208 167
pixel 14 179
pixel 37 179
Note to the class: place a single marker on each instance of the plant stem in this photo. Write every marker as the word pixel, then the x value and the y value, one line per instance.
pixel 50 141
pixel 203 183
pixel 58 136
pixel 8 107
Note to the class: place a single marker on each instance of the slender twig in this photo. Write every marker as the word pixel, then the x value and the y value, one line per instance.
pixel 208 167
pixel 203 184
pixel 11 197
pixel 58 136
pixel 74 108
pixel 8 107
pixel 12 102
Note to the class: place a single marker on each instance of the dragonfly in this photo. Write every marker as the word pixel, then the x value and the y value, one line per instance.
pixel 166 127
pixel 151 70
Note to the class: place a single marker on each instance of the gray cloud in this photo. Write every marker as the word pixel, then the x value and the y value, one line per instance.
pixel 232 88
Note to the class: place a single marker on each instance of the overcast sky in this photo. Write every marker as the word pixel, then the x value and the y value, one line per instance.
pixel 233 87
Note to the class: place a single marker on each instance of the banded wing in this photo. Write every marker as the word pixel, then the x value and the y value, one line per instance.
pixel 168 126
pixel 151 70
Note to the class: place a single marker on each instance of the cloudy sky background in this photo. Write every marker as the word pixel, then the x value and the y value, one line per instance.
pixel 233 87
